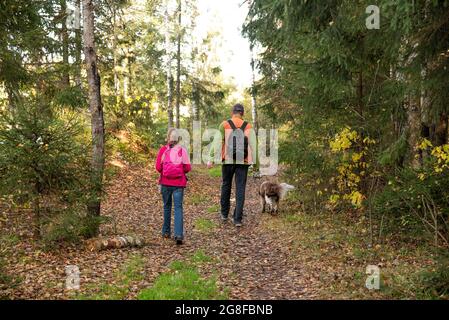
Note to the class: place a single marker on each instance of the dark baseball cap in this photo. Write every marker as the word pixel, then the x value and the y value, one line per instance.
pixel 238 108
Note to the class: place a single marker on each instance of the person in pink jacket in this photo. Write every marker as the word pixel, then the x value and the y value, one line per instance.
pixel 173 163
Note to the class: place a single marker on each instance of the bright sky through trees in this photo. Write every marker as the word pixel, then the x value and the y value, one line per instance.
pixel 227 17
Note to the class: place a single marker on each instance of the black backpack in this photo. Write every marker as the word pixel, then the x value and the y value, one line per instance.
pixel 235 148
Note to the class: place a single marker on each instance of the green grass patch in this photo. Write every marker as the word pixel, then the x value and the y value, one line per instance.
pixel 200 257
pixel 293 218
pixel 205 225
pixel 118 289
pixel 213 209
pixel 197 199
pixel 215 172
pixel 111 172
pixel 184 282
pixel 9 240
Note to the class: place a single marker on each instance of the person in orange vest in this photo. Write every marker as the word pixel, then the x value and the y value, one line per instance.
pixel 238 153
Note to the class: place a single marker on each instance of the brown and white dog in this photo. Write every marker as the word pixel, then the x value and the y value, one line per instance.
pixel 271 193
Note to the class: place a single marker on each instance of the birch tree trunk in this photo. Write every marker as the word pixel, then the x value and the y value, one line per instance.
pixel 65 45
pixel 254 101
pixel 114 52
pixel 170 100
pixel 178 66
pixel 78 44
pixel 129 70
pixel 125 69
pixel 195 103
pixel 96 109
pixel 169 74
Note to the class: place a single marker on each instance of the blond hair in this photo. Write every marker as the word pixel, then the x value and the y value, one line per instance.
pixel 169 133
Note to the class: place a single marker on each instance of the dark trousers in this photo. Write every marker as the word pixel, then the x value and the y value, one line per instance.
pixel 227 173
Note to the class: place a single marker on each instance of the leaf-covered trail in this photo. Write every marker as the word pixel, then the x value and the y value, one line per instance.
pixel 251 262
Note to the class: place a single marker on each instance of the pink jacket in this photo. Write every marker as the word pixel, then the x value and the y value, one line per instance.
pixel 181 182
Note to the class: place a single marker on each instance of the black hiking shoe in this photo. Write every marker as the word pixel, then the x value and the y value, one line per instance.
pixel 178 241
pixel 238 224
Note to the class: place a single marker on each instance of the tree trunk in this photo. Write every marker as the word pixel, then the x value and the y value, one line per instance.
pixel 170 100
pixel 395 120
pixel 125 77
pixel 78 44
pixel 130 61
pixel 169 74
pixel 254 101
pixel 114 52
pixel 65 46
pixel 178 66
pixel 195 103
pixel 96 108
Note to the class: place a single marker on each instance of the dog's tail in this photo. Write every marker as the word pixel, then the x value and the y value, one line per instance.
pixel 285 188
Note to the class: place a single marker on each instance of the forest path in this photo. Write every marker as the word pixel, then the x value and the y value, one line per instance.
pixel 248 261
pixel 251 262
